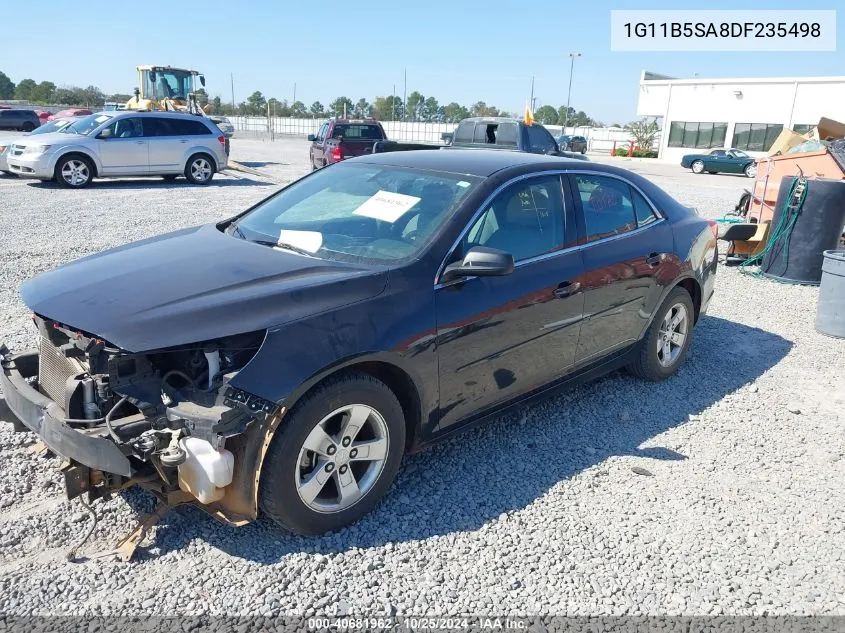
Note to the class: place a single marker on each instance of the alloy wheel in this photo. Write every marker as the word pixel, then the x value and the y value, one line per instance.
pixel 672 335
pixel 75 172
pixel 342 458
pixel 201 170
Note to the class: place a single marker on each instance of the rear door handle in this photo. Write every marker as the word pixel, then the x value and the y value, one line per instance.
pixel 654 259
pixel 567 288
pixel 183 140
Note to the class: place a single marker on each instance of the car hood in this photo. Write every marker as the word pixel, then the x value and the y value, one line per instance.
pixel 51 138
pixel 193 285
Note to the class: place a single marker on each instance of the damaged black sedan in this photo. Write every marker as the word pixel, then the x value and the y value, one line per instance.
pixel 284 360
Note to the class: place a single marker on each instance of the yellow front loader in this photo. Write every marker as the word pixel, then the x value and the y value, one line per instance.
pixel 168 88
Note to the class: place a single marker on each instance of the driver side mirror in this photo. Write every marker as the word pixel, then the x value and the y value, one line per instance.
pixel 480 261
pixel 105 134
pixel 312 138
pixel 202 80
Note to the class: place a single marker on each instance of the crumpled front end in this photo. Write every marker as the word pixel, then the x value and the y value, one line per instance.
pixel 166 418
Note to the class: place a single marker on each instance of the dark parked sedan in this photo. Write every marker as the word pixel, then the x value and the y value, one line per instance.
pixel 569 143
pixel 23 120
pixel 727 161
pixel 287 358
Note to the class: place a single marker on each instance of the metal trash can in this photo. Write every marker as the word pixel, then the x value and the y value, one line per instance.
pixel 830 314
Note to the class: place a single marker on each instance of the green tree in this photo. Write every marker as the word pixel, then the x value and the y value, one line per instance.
pixel 362 109
pixel 202 97
pixel 67 95
pixel 23 90
pixel 7 87
pixel 415 107
pixel 432 111
pixel 454 112
pixel 482 109
pixel 317 110
pixel 256 104
pixel 341 105
pixel 546 115
pixel 644 132
pixel 387 108
pixel 298 110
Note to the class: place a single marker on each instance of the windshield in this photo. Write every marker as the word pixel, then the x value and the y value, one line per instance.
pixel 53 126
pixel 358 212
pixel 86 125
pixel 168 84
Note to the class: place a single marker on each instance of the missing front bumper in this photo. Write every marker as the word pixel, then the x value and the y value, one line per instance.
pixel 42 416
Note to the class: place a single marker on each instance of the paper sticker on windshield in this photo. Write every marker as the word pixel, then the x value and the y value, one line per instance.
pixel 102 118
pixel 463 184
pixel 386 206
pixel 310 241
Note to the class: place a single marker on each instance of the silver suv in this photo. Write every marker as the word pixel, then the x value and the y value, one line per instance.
pixel 127 143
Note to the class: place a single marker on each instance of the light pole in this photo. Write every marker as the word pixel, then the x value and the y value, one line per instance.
pixel 572 57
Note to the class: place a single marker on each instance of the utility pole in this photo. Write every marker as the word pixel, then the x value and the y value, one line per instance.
pixel 405 97
pixel 393 104
pixel 531 101
pixel 294 93
pixel 232 80
pixel 572 56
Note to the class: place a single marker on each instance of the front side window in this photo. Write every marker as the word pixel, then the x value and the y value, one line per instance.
pixel 525 220
pixel 359 213
pixel 540 140
pixel 130 127
pixel 607 206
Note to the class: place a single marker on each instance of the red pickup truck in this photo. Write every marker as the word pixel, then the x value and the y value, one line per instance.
pixel 343 138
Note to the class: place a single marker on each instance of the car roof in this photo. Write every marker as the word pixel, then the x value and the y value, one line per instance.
pixel 473 162
pixel 168 114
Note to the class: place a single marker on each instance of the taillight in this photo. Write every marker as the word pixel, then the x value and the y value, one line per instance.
pixel 337 154
pixel 222 140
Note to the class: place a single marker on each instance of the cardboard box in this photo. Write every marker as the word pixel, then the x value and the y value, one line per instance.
pixel 830 130
pixel 786 139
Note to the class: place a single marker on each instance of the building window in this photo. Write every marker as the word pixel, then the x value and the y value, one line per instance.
pixel 803 128
pixel 699 135
pixel 755 137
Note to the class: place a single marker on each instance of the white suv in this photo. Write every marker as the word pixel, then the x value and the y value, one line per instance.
pixel 124 143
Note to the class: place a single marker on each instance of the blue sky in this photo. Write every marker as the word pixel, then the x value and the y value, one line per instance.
pixel 454 51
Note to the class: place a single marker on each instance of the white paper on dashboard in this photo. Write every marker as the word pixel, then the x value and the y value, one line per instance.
pixel 387 206
pixel 310 241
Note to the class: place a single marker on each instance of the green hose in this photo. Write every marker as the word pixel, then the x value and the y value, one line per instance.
pixel 783 230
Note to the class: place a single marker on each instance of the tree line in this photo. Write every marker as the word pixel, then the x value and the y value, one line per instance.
pixel 417 108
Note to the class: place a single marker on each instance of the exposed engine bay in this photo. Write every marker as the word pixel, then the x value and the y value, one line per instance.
pixel 169 411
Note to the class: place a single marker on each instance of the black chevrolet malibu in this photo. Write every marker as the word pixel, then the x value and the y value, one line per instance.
pixel 287 358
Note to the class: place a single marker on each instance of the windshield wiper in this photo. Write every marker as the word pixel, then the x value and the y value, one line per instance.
pixel 283 245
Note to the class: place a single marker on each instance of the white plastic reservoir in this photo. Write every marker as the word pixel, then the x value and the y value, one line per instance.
pixel 206 471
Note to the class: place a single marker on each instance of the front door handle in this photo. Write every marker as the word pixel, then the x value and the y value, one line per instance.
pixel 139 142
pixel 654 259
pixel 567 288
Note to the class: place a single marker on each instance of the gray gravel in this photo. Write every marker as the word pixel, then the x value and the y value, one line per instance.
pixel 719 491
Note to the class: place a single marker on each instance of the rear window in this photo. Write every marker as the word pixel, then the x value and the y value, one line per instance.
pixel 357 130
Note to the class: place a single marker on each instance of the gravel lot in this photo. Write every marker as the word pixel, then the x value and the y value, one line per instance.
pixel 739 510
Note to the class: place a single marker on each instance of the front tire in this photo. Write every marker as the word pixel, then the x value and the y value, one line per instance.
pixel 74 171
pixel 667 341
pixel 751 170
pixel 200 169
pixel 334 456
pixel 583 150
pixel 697 167
pixel 27 127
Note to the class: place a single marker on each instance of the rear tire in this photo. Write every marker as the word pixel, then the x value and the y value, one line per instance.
pixel 302 489
pixel 661 350
pixel 74 171
pixel 27 127
pixel 199 170
pixel 583 150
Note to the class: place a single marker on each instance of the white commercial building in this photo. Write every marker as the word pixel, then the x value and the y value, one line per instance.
pixel 701 114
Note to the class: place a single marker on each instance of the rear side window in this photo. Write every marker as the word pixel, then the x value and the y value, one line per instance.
pixel 607 206
pixel 353 131
pixel 187 127
pixel 642 209
pixel 539 139
pixel 464 131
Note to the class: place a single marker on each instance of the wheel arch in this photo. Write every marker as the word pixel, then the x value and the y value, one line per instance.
pixel 194 151
pixel 691 285
pixel 76 151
